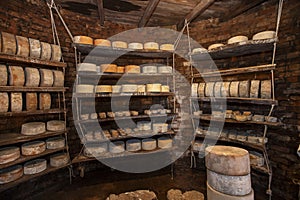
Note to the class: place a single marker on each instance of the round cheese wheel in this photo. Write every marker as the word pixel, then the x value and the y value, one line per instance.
pixel 22 46
pixel 56 53
pixel 234 89
pixel 33 148
pixel 164 142
pixel 103 89
pixel 134 113
pixel 227 160
pixel 119 44
pixel 132 69
pixel 4 102
pixel 217 89
pixel 45 51
pixel 237 39
pixel 160 127
pixel 35 48
pixel 9 45
pixel 156 87
pixel 11 174
pixel 165 88
pixel 16 76
pixel 16 102
pixel 135 45
pixel 31 101
pixel 108 68
pixel 244 87
pixel 56 125
pixel 193 195
pixel 225 89
pixel 85 88
pixel 93 116
pixel 3 75
pixel 167 47
pixel 201 89
pixel 116 88
pixel 46 78
pixel 131 88
pixel 117 147
pixel 254 88
pixel 32 77
pixel 150 69
pixel 258 118
pixel 215 46
pixel 209 89
pixel 212 194
pixel 151 46
pixel 141 88
pixel 144 126
pixel 60 159
pixel 266 89
pixel 264 35
pixel 165 69
pixel 120 69
pixel 102 42
pixel 133 145
pixel 95 151
pixel 88 67
pixel 83 40
pixel 149 144
pixel 58 78
pixel 194 90
pixel 35 166
pixel 9 154
pixel 44 101
pixel 55 143
pixel 199 50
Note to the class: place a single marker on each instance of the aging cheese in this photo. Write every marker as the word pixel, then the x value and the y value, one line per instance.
pixel 103 89
pixel 164 142
pixel 254 88
pixel 194 90
pixel 120 69
pixel 264 35
pixel 95 151
pixel 199 50
pixel 58 78
pixel 217 89
pixel 149 144
pixel 35 166
pixel 33 148
pixel 215 46
pixel 87 67
pixel 132 69
pixel 44 101
pixel 56 53
pixel 135 45
pixel 108 68
pixel 4 102
pixel 165 88
pixel 133 145
pixel 9 154
pixel 160 127
pixel 225 89
pixel 16 76
pixel 141 88
pixel 244 87
pixel 167 47
pixel 201 89
pixel 85 88
pixel 33 128
pixel 209 89
pixel 237 39
pixel 22 46
pixel 16 102
pixel 32 77
pixel 193 195
pixel 117 147
pixel 119 44
pixel 55 143
pixel 227 160
pixel 3 75
pixel 215 195
pixel 266 89
pixel 151 46
pixel 56 125
pixel 31 101
pixel 11 174
pixel 102 42
pixel 165 69
pixel 46 78
pixel 116 88
pixel 35 48
pixel 150 69
pixel 9 45
pixel 60 159
pixel 46 51
pixel 234 89
pixel 83 40
pixel 156 87
pixel 129 88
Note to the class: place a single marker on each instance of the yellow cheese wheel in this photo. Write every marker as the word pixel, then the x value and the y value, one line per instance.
pixel 151 46
pixel 120 69
pixel 119 44
pixel 165 88
pixel 116 88
pixel 132 69
pixel 31 101
pixel 3 75
pixel 56 53
pixel 83 40
pixel 35 48
pixel 44 101
pixel 11 174
pixel 102 42
pixel 103 89
pixel 153 87
pixel 16 102
pixel 141 88
pixel 45 51
pixel 32 77
pixel 16 76
pixel 108 68
pixel 167 47
pixel 4 102
pixel 58 78
pixel 9 45
pixel 22 46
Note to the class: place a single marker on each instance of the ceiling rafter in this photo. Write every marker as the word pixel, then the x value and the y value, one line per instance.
pixel 148 13
pixel 101 12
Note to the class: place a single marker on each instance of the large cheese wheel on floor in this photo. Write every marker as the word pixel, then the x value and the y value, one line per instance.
pixel 133 145
pixel 9 45
pixel 33 128
pixel 215 195
pixel 55 143
pixel 130 88
pixel 209 89
pixel 56 125
pixel 9 154
pixel 108 68
pixel 16 76
pixel 103 89
pixel 16 102
pixel 85 88
pixel 31 101
pixel 58 78
pixel 135 45
pixel 83 40
pixel 234 89
pixel 46 51
pixel 35 166
pixel 264 35
pixel 32 77
pixel 3 75
pixel 266 89
pixel 227 160
pixel 201 89
pixel 44 101
pixel 4 102
pixel 46 78
pixel 60 159
pixel 119 44
pixel 22 46
pixel 56 53
pixel 102 42
pixel 225 89
pixel 117 147
pixel 254 88
pixel 237 39
pixel 194 90
pixel 149 144
pixel 35 48
pixel 151 46
pixel 164 142
pixel 217 89
pixel 156 87
pixel 132 69
pixel 244 87
pixel 87 67
pixel 11 174
pixel 33 148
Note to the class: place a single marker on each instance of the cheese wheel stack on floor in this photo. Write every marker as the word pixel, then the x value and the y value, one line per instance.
pixel 228 173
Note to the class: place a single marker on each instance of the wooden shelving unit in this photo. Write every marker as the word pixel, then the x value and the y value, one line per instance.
pixel 36 112
pixel 238 100
pixel 32 89
pixel 145 94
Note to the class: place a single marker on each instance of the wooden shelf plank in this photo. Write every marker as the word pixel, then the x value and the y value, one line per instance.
pixel 23 60
pixel 37 112
pixel 32 89
pixel 145 94
pixel 237 100
pixel 82 74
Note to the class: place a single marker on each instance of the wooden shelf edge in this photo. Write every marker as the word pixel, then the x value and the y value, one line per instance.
pixel 237 100
pixel 123 75
pixel 37 112
pixel 32 89
pixel 96 95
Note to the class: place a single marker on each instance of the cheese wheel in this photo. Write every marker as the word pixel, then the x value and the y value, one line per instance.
pixel 237 39
pixel 193 195
pixel 217 89
pixel 234 89
pixel 35 48
pixel 120 69
pixel 165 69
pixel 201 89
pixel 102 42
pixel 11 174
pixel 231 185
pixel 3 75
pixel 83 40
pixel 59 160
pixel 135 45
pixel 165 88
pixel 119 44
pixel 266 89
pixel 16 102
pixel 132 69
pixel 264 35
pixel 33 128
pixel 88 67
pixel 258 118
pixel 116 88
pixel 56 125
pixel 58 78
pixel 215 46
pixel 56 53
pixel 32 77
pixel 134 113
pixel 46 78
pixel 160 127
pixel 4 102
pixel 130 88
pixel 227 160
pixel 93 116
pixel 108 68
pixel 31 101
pixel 33 148
pixel 151 46
pixel 225 89
pixel 167 47
pixel 164 142
pixel 46 51
pixel 9 45
pixel 194 90
pixel 209 89
pixel 16 76
pixel 22 46
pixel 35 166
pixel 133 145
pixel 103 89
pixel 215 195
pixel 117 147
pixel 141 88
pixel 156 87
pixel 44 101
pixel 254 89
pixel 95 151
pixel 150 69
pixel 85 88
pixel 55 143
pixel 144 126
pixel 149 144
pixel 9 154
pixel 199 50
pixel 244 87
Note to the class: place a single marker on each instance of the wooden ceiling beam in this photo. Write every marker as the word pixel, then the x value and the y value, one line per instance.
pixel 101 12
pixel 198 10
pixel 148 13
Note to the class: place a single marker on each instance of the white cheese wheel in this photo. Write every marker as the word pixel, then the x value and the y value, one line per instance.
pixel 199 50
pixel 215 195
pixel 3 75
pixel 151 46
pixel 33 148
pixel 119 44
pixel 254 88
pixel 93 116
pixel 144 126
pixel 35 166
pixel 160 127
pixel 56 53
pixel 103 89
pixel 58 78
pixel 165 88
pixel 234 89
pixel 237 39
pixel 32 77
pixel 35 48
pixel 4 102
pixel 141 88
pixel 108 68
pixel 264 35
pixel 46 78
pixel 150 69
pixel 167 47
pixel 95 151
pixel 55 143
pixel 56 125
pixel 135 45
pixel 16 102
pixel 217 89
pixel 46 51
pixel 225 89
pixel 88 67
pixel 22 46
pixel 244 89
pixel 117 147
pixel 194 90
pixel 116 88
pixel 33 128
pixel 132 69
pixel 227 160
pixel 11 174
pixel 266 89
pixel 130 88
pixel 85 88
pixel 121 69
pixel 44 101
pixel 9 45
pixel 164 142
pixel 9 154
pixel 201 89
pixel 149 144
pixel 258 118
pixel 156 87
pixel 215 46
pixel 133 145
pixel 60 159
pixel 16 76
pixel 83 40
pixel 165 69
pixel 102 42
pixel 31 101
pixel 209 89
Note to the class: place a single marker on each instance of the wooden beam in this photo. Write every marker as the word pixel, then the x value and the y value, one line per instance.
pixel 198 10
pixel 148 13
pixel 101 12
